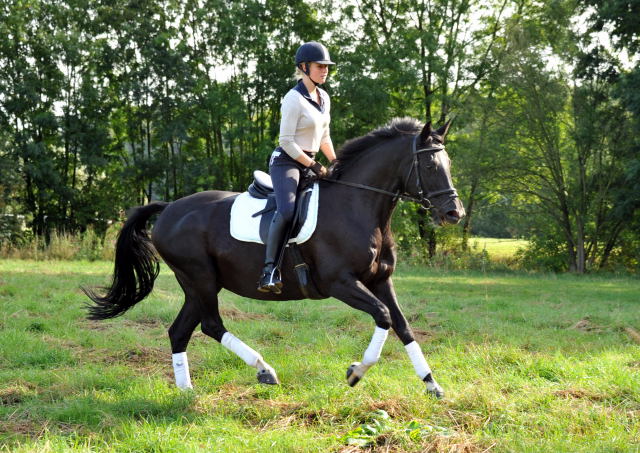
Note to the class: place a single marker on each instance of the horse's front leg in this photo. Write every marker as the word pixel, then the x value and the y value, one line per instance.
pixel 384 291
pixel 355 294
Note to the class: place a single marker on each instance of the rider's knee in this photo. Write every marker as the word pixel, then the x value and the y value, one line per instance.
pixel 286 212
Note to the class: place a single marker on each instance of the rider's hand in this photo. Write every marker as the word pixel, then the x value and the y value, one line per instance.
pixel 319 169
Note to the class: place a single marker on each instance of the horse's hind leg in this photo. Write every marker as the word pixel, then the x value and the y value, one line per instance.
pixel 180 333
pixel 202 307
pixel 385 292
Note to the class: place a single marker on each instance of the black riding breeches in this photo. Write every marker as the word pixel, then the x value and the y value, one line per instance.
pixel 285 174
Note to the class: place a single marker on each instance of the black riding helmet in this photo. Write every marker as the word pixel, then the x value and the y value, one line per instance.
pixel 312 52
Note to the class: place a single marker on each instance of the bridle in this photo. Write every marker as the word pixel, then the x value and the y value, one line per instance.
pixel 423 199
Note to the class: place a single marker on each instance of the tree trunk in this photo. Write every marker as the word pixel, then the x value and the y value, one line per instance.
pixel 580 252
pixel 611 242
pixel 427 231
pixel 466 225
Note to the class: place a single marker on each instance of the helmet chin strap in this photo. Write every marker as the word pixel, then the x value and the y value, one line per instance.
pixel 308 73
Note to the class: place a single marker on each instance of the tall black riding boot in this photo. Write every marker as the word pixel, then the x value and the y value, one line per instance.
pixel 270 279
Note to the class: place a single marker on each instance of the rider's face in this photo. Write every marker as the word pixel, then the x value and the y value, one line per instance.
pixel 318 72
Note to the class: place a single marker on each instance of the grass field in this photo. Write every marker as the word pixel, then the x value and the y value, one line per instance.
pixel 530 363
pixel 499 249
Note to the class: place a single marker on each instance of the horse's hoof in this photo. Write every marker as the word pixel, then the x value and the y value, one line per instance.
pixel 433 388
pixel 267 377
pixel 352 377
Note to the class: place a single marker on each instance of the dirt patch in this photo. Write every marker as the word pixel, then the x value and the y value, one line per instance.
pixel 15 394
pixel 227 392
pixel 578 394
pixel 455 444
pixel 433 444
pixel 97 325
pixel 236 314
pixel 467 421
pixel 249 401
pixel 376 449
pixel 633 415
pixel 585 325
pixel 633 334
pixel 22 428
pixel 395 408
pixel 35 429
pixel 421 335
pixel 141 355
pixel 295 416
pixel 413 317
pixel 146 323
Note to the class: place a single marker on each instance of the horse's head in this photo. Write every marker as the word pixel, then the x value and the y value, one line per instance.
pixel 430 177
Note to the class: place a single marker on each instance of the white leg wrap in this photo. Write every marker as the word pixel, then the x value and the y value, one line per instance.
pixel 235 345
pixel 372 354
pixel 181 370
pixel 418 360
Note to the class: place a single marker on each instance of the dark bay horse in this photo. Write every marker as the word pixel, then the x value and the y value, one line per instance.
pixel 351 254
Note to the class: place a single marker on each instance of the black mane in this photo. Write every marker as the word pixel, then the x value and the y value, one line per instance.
pixel 354 147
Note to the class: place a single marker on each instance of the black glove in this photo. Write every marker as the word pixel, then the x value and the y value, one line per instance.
pixel 319 169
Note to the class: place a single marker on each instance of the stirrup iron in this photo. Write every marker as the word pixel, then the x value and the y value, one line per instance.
pixel 270 281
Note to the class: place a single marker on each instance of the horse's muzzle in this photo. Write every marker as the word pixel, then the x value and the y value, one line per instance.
pixel 451 213
pixel 453 217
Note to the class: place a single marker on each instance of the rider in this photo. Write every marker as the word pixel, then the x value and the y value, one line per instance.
pixel 304 128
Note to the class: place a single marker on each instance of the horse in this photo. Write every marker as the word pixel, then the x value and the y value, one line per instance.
pixel 351 253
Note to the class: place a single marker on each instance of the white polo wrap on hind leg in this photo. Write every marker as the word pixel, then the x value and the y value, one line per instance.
pixel 247 354
pixel 418 360
pixel 372 354
pixel 239 348
pixel 181 370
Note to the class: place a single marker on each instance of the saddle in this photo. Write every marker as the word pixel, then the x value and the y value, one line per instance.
pixel 260 194
pixel 262 189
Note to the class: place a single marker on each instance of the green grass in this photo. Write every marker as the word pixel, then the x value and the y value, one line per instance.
pixel 499 249
pixel 529 362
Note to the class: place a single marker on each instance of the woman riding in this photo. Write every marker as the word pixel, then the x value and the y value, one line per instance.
pixel 304 129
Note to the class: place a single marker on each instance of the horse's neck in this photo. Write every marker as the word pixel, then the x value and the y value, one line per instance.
pixel 377 169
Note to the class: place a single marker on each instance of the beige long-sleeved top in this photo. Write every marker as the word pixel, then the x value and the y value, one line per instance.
pixel 305 123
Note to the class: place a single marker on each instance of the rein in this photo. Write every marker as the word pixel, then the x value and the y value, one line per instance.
pixel 415 166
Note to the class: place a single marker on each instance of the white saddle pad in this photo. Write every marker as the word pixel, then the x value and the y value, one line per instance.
pixel 246 228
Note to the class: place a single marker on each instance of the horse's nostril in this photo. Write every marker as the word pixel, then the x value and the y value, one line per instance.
pixel 454 214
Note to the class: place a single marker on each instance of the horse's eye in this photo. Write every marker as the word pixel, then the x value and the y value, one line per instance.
pixel 431 162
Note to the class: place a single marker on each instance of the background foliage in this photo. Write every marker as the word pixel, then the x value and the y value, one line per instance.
pixel 107 104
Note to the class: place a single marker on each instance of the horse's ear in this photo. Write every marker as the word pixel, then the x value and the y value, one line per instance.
pixel 444 129
pixel 426 132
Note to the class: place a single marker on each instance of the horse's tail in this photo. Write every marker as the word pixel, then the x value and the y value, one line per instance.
pixel 136 267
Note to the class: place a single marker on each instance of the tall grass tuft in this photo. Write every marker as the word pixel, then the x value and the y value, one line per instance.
pixel 62 246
